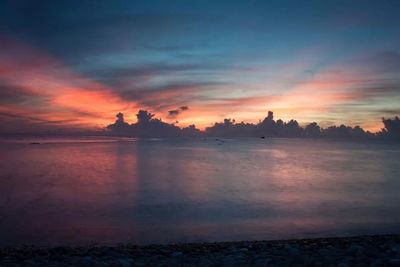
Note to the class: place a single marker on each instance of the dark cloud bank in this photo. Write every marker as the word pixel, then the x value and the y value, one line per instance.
pixel 148 126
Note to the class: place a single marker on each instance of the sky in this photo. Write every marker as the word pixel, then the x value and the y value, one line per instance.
pixel 69 65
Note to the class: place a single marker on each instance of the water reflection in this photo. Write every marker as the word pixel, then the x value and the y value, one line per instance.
pixel 147 191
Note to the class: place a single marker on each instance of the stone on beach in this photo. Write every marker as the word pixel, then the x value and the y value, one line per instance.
pixel 383 250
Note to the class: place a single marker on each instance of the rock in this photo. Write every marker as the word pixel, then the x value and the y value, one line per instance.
pixel 28 263
pixel 260 263
pixel 126 262
pixel 176 254
pixel 229 261
pixel 87 261
pixel 100 264
pixel 355 249
pixel 394 262
pixel 292 250
pixel 232 248
pixel 396 248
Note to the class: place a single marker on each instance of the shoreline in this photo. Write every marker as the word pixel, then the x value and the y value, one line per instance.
pixel 368 250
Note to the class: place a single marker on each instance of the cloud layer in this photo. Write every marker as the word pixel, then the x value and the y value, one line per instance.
pixel 63 67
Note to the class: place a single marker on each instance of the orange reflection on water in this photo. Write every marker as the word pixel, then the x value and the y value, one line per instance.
pixel 147 191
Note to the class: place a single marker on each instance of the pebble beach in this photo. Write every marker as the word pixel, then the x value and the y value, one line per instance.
pixel 379 250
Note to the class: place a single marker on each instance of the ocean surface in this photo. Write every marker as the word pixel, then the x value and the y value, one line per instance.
pixel 86 191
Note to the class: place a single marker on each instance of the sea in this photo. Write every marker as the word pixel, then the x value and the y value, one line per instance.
pixel 108 191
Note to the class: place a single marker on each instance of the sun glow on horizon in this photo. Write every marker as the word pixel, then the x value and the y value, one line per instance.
pixel 51 92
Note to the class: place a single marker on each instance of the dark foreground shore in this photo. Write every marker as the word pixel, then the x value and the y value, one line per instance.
pixel 383 250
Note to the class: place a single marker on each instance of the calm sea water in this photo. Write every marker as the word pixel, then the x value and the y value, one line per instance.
pixel 106 191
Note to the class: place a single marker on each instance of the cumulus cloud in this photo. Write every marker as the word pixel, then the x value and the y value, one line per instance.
pixel 148 126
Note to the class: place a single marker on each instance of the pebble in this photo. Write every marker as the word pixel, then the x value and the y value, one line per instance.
pixel 394 262
pixel 176 254
pixel 336 252
pixel 355 249
pixel 396 248
pixel 126 262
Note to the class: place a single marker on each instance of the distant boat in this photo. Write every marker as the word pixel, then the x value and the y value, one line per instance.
pixel 34 143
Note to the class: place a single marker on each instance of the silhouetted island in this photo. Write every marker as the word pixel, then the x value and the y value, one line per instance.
pixel 148 126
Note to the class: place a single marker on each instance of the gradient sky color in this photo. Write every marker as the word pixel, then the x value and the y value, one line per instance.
pixel 67 65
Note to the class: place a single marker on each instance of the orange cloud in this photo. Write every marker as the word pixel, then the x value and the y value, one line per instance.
pixel 57 93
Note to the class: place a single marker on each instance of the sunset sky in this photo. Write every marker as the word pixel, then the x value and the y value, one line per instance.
pixel 68 65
